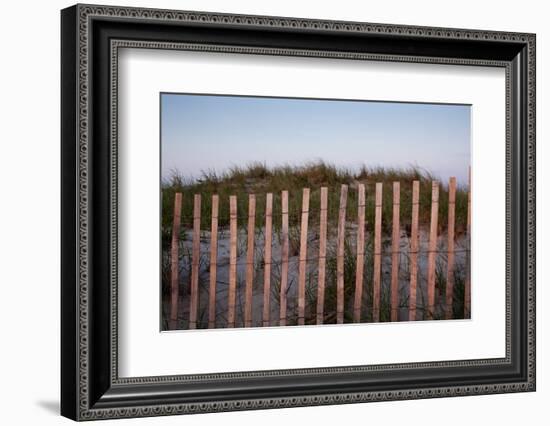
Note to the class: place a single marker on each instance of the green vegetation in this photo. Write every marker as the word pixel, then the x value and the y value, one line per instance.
pixel 258 179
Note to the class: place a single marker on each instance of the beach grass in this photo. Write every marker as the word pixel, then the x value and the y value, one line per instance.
pixel 258 179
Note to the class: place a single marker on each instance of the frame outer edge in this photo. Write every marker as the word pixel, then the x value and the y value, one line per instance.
pixel 69 193
pixel 531 200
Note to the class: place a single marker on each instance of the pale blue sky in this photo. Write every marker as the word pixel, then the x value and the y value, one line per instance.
pixel 209 132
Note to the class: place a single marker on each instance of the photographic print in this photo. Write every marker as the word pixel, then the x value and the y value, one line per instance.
pixel 311 212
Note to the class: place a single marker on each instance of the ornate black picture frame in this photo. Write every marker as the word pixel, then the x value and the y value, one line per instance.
pixel 91 387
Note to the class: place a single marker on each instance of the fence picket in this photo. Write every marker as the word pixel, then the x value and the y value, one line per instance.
pixel 213 263
pixel 303 258
pixel 449 290
pixel 432 250
pixel 377 252
pixel 340 255
pixel 195 257
pixel 395 253
pixel 174 262
pixel 284 255
pixel 231 296
pixel 322 256
pixel 267 258
pixel 467 290
pixel 360 253
pixel 249 280
pixel 414 250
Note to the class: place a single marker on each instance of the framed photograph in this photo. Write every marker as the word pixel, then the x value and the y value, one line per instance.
pixel 263 212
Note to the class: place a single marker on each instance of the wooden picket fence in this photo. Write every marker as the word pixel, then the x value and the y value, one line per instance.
pixel 303 257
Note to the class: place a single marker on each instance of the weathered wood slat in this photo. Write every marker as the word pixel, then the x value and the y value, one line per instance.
pixel 284 255
pixel 414 250
pixel 303 258
pixel 340 255
pixel 449 290
pixel 360 260
pixel 377 252
pixel 467 284
pixel 213 263
pixel 322 256
pixel 267 258
pixel 249 279
pixel 395 254
pixel 232 291
pixel 195 258
pixel 432 250
pixel 174 262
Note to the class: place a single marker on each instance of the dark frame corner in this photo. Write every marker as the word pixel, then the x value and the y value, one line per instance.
pixel 90 386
